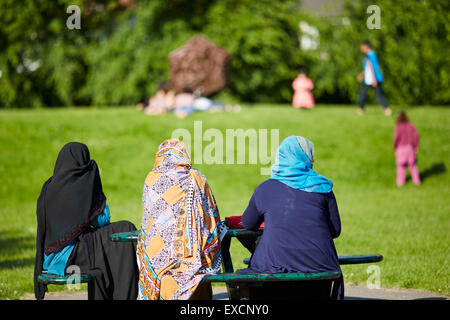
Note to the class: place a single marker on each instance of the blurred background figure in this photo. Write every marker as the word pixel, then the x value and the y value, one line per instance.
pixel 161 102
pixel 373 78
pixel 302 85
pixel 202 103
pixel 406 146
pixel 187 103
pixel 184 103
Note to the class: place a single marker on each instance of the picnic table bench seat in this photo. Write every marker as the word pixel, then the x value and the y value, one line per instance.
pixel 349 258
pixel 47 278
pixel 271 277
pixel 278 286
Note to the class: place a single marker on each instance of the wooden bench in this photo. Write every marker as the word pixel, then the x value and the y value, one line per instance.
pixel 47 278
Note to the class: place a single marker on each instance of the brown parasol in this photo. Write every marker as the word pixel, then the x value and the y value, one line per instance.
pixel 199 65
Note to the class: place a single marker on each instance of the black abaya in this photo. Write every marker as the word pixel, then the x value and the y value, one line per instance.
pixel 112 263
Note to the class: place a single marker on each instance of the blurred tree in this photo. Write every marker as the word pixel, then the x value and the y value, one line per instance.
pixel 24 30
pixel 121 52
pixel 41 60
pixel 262 37
pixel 412 46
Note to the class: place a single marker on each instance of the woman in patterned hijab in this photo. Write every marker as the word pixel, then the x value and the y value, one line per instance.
pixel 180 234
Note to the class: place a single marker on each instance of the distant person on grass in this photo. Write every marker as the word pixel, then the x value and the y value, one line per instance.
pixel 186 103
pixel 371 78
pixel 302 85
pixel 161 102
pixel 73 228
pixel 300 215
pixel 406 146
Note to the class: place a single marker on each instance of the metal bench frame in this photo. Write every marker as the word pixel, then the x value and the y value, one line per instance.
pixel 47 278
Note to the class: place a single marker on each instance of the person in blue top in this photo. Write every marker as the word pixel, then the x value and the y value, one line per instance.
pixel 300 215
pixel 371 77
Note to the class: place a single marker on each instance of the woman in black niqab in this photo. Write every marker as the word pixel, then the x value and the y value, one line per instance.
pixel 69 202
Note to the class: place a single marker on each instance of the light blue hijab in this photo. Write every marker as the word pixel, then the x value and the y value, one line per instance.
pixel 293 166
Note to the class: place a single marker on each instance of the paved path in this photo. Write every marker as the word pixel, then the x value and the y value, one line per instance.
pixel 352 292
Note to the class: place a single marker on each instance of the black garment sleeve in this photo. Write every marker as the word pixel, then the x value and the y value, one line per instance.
pixel 40 288
pixel 334 219
pixel 252 217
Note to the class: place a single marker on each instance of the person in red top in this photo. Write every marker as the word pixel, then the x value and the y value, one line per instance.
pixel 406 146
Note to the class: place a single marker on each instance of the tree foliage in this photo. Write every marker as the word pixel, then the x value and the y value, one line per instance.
pixel 120 55
pixel 412 46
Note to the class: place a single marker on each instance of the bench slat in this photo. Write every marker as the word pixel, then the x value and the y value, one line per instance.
pixel 133 235
pixel 271 277
pixel 359 258
pixel 124 236
pixel 350 258
pixel 47 278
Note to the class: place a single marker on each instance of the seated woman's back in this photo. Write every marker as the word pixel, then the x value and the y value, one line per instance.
pixel 299 229
pixel 73 228
pixel 180 232
pixel 300 216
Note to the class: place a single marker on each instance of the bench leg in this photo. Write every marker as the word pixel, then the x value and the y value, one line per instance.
pixel 91 290
pixel 233 290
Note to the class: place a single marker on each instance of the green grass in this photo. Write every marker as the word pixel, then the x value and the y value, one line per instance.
pixel 410 226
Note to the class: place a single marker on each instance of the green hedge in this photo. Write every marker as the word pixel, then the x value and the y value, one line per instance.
pixel 119 56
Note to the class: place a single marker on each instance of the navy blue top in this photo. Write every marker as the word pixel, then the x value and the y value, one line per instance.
pixel 299 228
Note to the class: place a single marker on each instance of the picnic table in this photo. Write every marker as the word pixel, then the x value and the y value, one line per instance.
pixel 308 285
pixel 305 285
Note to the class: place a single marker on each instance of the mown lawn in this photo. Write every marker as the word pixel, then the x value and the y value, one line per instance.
pixel 410 226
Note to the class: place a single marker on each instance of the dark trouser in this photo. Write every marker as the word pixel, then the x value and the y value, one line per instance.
pixel 113 264
pixel 291 290
pixel 379 95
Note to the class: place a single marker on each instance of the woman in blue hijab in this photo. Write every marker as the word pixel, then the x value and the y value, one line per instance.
pixel 300 216
pixel 293 166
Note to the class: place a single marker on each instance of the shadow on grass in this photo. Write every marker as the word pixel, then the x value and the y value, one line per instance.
pixel 12 245
pixel 16 263
pixel 435 169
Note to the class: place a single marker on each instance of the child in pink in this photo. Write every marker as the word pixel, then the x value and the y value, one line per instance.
pixel 302 86
pixel 406 146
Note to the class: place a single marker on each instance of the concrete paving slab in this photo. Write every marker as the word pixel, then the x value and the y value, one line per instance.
pixel 352 292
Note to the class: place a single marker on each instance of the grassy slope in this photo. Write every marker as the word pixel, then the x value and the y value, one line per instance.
pixel 409 226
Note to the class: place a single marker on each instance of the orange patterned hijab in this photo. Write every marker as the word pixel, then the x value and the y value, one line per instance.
pixel 180 233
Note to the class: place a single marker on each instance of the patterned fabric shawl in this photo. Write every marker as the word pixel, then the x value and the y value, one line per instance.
pixel 181 230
